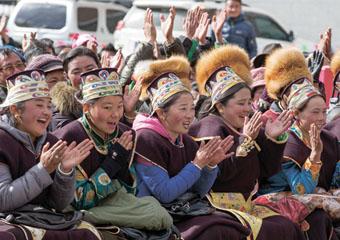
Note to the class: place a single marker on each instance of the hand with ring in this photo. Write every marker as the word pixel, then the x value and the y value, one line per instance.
pixel 51 156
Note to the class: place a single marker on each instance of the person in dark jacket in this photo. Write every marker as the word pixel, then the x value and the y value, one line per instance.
pixel 236 29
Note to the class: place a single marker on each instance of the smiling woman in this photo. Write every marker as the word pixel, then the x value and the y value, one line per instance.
pixel 224 75
pixel 104 178
pixel 35 168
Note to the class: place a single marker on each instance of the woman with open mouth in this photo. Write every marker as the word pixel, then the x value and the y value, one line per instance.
pixel 223 74
pixel 104 183
pixel 170 165
pixel 309 162
pixel 36 170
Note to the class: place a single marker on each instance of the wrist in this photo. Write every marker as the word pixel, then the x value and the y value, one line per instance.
pixel 130 115
pixel 64 171
pixel 169 41
pixel 211 166
pixel 197 165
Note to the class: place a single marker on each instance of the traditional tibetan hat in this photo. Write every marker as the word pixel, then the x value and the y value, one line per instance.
pixel 25 86
pixel 283 67
pixel 99 83
pixel 165 78
pixel 300 92
pixel 219 70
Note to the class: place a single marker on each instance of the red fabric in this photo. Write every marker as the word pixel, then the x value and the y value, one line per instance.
pixel 288 207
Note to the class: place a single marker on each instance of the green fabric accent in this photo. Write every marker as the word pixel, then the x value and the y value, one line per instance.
pixel 132 84
pixel 102 145
pixel 218 45
pixel 124 209
pixel 192 49
pixel 283 137
pixel 90 191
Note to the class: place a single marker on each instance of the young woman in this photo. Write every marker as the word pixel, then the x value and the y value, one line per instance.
pixel 168 162
pixel 78 61
pixel 309 160
pixel 224 74
pixel 103 179
pixel 35 168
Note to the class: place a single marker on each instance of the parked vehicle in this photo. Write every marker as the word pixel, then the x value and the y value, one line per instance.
pixel 130 30
pixel 63 19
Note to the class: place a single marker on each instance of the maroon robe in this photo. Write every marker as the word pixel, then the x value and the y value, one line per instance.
pixel 20 159
pixel 240 174
pixel 173 158
pixel 297 151
pixel 334 127
pixel 74 131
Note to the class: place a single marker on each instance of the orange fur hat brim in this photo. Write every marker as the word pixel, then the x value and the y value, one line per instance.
pixel 284 66
pixel 228 55
pixel 335 63
pixel 178 65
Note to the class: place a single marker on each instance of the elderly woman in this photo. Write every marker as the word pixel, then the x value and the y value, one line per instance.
pixel 224 75
pixel 35 168
pixel 169 163
pixel 103 179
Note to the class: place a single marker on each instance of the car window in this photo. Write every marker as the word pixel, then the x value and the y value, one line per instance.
pixel 112 18
pixel 38 15
pixel 87 19
pixel 266 27
pixel 135 19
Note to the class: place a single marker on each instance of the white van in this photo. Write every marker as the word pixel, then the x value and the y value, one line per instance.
pixel 63 19
pixel 130 30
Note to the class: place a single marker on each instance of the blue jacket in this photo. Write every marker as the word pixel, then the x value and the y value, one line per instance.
pixel 241 32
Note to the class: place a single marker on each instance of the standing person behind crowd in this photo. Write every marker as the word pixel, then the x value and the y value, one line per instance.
pixel 257 150
pixel 11 62
pixel 104 178
pixel 169 163
pixel 236 29
pixel 36 168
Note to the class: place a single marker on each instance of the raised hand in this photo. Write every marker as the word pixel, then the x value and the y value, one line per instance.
pixel 324 45
pixel 191 22
pixel 315 143
pixel 315 63
pixel 51 157
pixel 221 151
pixel 202 29
pixel 167 25
pixel 217 25
pixel 277 127
pixel 117 60
pixel 251 128
pixel 131 97
pixel 27 42
pixel 74 154
pixel 126 140
pixel 204 153
pixel 150 32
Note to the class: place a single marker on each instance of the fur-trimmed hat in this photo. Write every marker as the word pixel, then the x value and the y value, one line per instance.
pixel 284 66
pixel 177 65
pixel 63 99
pixel 230 56
pixel 335 63
pixel 165 78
